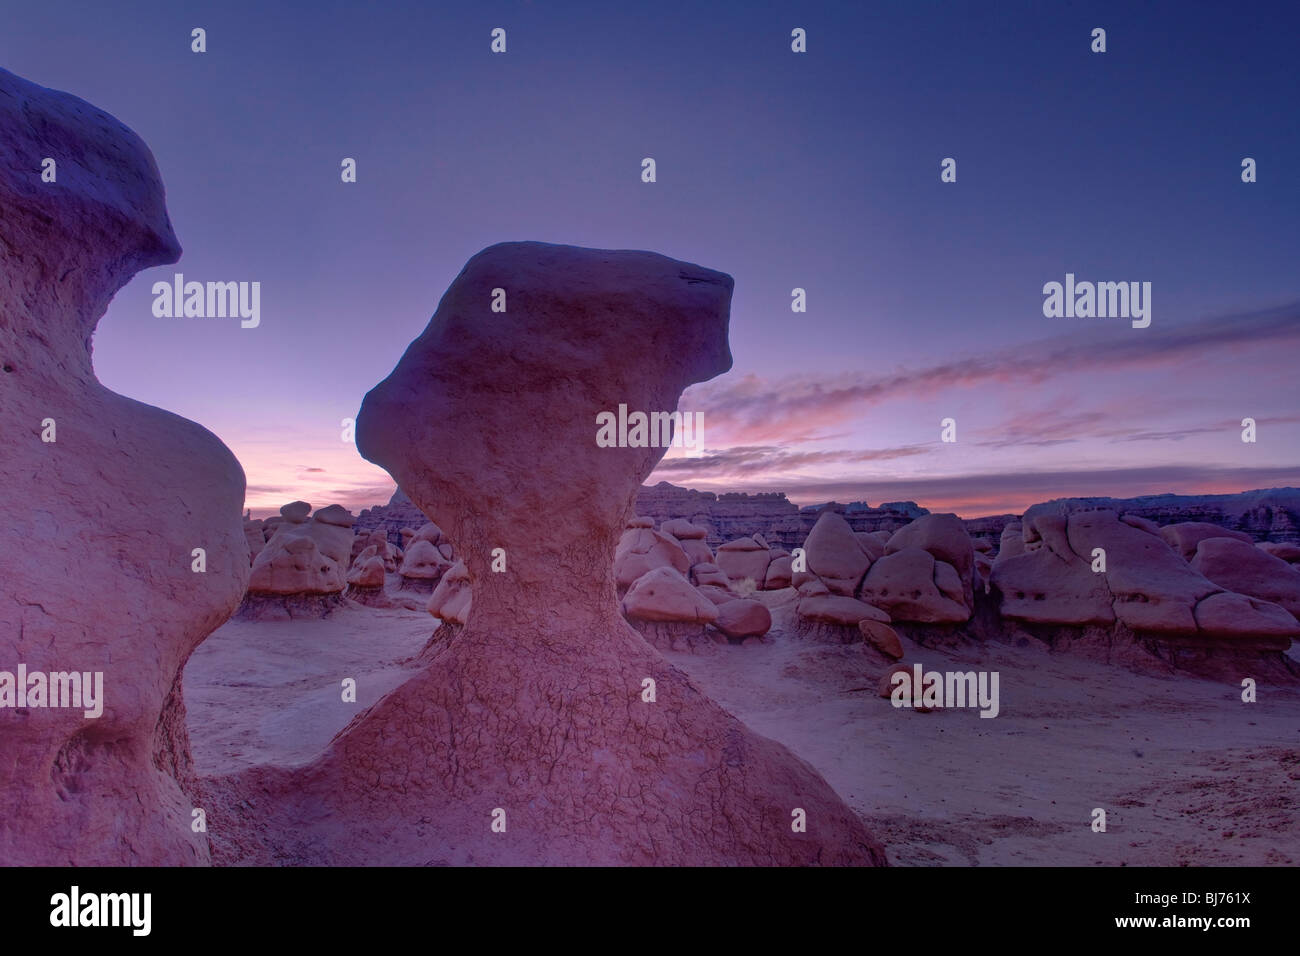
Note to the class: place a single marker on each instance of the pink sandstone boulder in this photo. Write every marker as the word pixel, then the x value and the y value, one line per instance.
pixel 662 594
pixel 741 619
pixel 909 585
pixel 105 593
pixel 536 707
pixel 882 637
pixel 744 560
pixel 668 611
pixel 836 555
pixel 779 574
pixel 944 537
pixel 709 574
pixel 1234 565
pixel 683 530
pixel 641 550
pixel 1185 536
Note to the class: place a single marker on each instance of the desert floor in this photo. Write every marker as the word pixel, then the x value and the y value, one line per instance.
pixel 1187 773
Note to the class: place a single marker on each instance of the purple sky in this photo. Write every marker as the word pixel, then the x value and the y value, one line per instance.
pixel 818 170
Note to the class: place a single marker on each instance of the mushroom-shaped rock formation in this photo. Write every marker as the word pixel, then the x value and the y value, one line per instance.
pixel 667 610
pixel 423 566
pixel 302 571
pixel 641 550
pixel 453 597
pixel 535 707
pixel 744 560
pixel 1141 591
pixel 692 538
pixel 833 617
pixel 366 581
pixel 837 555
pixel 106 593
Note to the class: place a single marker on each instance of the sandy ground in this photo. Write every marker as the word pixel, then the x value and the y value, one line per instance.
pixel 1186 772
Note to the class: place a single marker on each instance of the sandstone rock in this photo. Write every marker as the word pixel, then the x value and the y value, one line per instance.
pixel 812 587
pixel 95 548
pixel 886 686
pixel 741 619
pixel 778 574
pixel 903 585
pixel 429 532
pixel 453 599
pixel 639 522
pixel 1012 543
pixel 836 609
pixel 336 515
pixel 744 559
pixel 663 594
pixel 1153 589
pixel 683 530
pixel 1185 536
pixel 1236 565
pixel 423 566
pixel 836 555
pixel 709 574
pixel 534 706
pixel 696 551
pixel 307 556
pixel 295 512
pixel 944 537
pixel 255 537
pixel 1042 587
pixel 718 595
pixel 1142 524
pixel 641 550
pixel 882 637
pixel 1229 615
pixel 1281 549
pixel 367 574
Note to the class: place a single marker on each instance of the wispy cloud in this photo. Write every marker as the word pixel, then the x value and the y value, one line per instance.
pixel 795 409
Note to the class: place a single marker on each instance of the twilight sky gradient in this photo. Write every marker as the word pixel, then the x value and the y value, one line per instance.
pixel 818 170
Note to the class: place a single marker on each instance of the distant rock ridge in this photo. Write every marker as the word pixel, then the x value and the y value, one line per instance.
pixel 1268 514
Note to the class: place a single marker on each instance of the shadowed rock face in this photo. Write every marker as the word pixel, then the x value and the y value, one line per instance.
pixel 106 592
pixel 535 706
